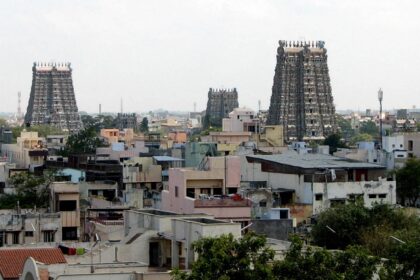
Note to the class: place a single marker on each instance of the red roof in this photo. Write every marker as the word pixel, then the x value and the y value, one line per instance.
pixel 12 260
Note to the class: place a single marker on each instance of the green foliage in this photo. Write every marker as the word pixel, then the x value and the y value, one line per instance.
pixel 210 129
pixel 98 122
pixel 3 122
pixel 144 125
pixel 371 228
pixel 43 130
pixel 345 127
pixel 354 263
pixel 362 137
pixel 408 181
pixel 334 141
pixel 16 131
pixel 31 190
pixel 84 142
pixel 346 220
pixel 404 262
pixel 370 128
pixel 226 257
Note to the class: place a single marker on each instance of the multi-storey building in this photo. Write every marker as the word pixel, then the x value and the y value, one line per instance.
pixel 127 120
pixel 52 100
pixel 28 152
pixel 301 97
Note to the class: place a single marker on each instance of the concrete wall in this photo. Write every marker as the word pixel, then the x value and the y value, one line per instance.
pixel 179 179
pixel 342 190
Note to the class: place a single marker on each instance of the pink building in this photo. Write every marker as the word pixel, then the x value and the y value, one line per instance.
pixel 211 190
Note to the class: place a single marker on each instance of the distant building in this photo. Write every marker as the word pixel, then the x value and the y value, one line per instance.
pixel 52 100
pixel 220 103
pixel 301 97
pixel 126 120
pixel 206 190
pixel 241 120
pixel 307 184
pixel 412 144
pixel 402 114
pixel 56 143
pixel 29 151
pixel 65 199
pixel 28 227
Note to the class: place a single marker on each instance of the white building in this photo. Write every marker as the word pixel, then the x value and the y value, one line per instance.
pixel 317 181
pixel 29 151
pixel 241 120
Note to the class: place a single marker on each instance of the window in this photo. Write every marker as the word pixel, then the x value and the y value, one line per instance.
pixel 68 205
pixel 382 195
pixel 410 145
pixel 15 237
pixel 263 203
pixel 2 236
pixel 69 233
pixel 372 196
pixel 176 191
pixel 318 196
pixel 29 233
pixel 48 235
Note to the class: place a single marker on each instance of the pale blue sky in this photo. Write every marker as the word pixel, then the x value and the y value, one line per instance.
pixel 166 54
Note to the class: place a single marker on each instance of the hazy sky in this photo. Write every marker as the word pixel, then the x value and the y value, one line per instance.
pixel 166 54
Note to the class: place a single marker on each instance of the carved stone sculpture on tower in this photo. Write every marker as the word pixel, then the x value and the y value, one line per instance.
pixel 52 100
pixel 301 97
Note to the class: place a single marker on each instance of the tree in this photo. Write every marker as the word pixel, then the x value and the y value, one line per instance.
pixel 345 127
pixel 335 142
pixel 347 222
pixel 370 128
pixel 308 264
pixel 30 190
pixel 3 122
pixel 249 257
pixel 84 142
pixel 404 262
pixel 408 182
pixel 44 130
pixel 372 228
pixel 227 257
pixel 144 125
pixel 362 137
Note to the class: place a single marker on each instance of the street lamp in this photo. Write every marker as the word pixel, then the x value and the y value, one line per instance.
pixel 380 98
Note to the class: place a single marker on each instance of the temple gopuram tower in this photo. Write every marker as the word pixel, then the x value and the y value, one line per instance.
pixel 52 100
pixel 301 97
pixel 220 103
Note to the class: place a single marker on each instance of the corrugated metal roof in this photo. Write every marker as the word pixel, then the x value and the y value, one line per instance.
pixel 12 260
pixel 315 161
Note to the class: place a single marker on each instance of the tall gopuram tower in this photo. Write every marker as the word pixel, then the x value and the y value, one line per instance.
pixel 301 97
pixel 52 100
pixel 220 103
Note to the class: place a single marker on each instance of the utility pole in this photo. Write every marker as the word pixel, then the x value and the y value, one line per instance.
pixel 380 98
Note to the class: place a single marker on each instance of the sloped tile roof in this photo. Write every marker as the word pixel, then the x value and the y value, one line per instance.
pixel 12 260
